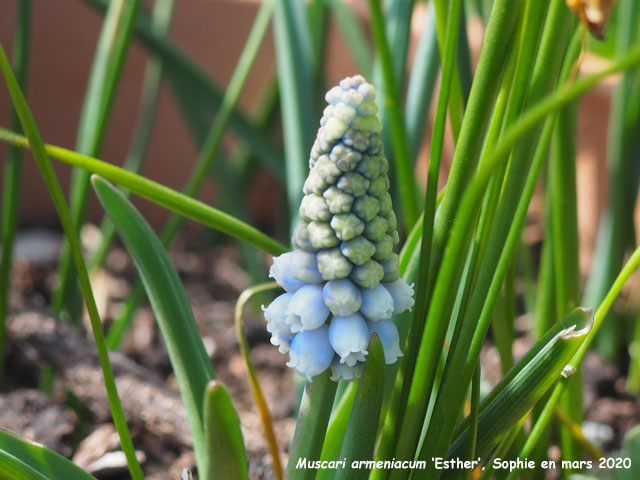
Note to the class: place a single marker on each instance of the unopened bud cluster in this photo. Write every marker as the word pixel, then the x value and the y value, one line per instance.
pixel 342 280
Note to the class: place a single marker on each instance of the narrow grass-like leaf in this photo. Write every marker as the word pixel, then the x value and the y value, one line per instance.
pixel 13 171
pixel 354 35
pixel 57 196
pixel 187 77
pixel 168 299
pixel 422 82
pixel 295 73
pixel 311 426
pixel 206 157
pixel 37 458
pixel 547 412
pixel 524 385
pixel 615 230
pixel 474 192
pixel 157 193
pixel 360 436
pixel 161 20
pixel 226 455
pixel 407 185
pixel 108 62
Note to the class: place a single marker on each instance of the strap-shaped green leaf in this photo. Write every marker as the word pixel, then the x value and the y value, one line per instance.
pixel 21 459
pixel 360 438
pixel 524 384
pixel 170 305
pixel 226 455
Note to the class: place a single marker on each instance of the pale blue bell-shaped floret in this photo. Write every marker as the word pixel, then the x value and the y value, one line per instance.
pixel 388 334
pixel 344 371
pixel 349 337
pixel 276 314
pixel 342 297
pixel 377 303
pixel 311 353
pixel 402 295
pixel 304 267
pixel 282 341
pixel 306 309
pixel 281 272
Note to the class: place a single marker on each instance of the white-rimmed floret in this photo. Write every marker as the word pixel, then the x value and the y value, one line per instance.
pixel 306 309
pixel 310 352
pixel 377 303
pixel 349 337
pixel 342 297
pixel 388 334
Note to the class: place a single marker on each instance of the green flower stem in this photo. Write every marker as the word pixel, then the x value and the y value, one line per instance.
pixel 108 63
pixel 55 191
pixel 159 194
pixel 311 425
pixel 254 381
pixel 463 222
pixel 161 21
pixel 549 408
pixel 13 171
pixel 409 192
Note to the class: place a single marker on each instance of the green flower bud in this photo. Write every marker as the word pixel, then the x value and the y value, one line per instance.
pixel 378 187
pixel 358 250
pixel 333 265
pixel 369 167
pixel 314 207
pixel 321 235
pixel 376 229
pixel 391 268
pixel 347 226
pixel 385 204
pixel 367 275
pixel 384 249
pixel 366 207
pixel 337 200
pixel 345 158
pixel 300 238
pixel 392 221
pixel 353 183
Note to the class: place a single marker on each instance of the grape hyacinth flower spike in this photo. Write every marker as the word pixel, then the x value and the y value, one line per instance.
pixel 342 280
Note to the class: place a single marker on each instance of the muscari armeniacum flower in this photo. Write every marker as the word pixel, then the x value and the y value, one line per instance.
pixel 342 279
